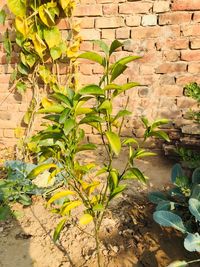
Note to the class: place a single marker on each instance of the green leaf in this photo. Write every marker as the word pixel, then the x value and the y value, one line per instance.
pixel 126 60
pixel 91 118
pixel 52 109
pixel 177 171
pixel 55 52
pixel 86 147
pixel 194 207
pixel 2 16
pixel 114 141
pixel 63 99
pixel 21 87
pixel 85 219
pixel 58 229
pixel 158 123
pixel 196 192
pixel 64 115
pixel 145 121
pixel 68 126
pixel 117 191
pixel 17 7
pixel 160 134
pixel 134 173
pixel 122 113
pixel 196 176
pixel 156 197
pixel 91 90
pixel 52 37
pixel 4 213
pixel 120 66
pixel 98 207
pixel 192 242
pixel 35 172
pixel 169 219
pixel 118 70
pixel 102 45
pixel 107 105
pixel 129 85
pixel 7 45
pixel 166 205
pixel 112 86
pixel 178 264
pixel 60 195
pixel 93 57
pixel 22 69
pixel 115 44
pixel 128 141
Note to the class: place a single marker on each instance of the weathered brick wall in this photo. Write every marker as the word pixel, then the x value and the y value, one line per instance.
pixel 166 33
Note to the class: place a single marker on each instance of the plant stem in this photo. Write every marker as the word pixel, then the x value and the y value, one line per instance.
pixel 96 236
pixel 189 262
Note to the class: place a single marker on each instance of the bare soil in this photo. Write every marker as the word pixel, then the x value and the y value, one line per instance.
pixel 129 236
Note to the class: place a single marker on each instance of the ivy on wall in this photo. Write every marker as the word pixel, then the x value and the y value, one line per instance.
pixel 42 47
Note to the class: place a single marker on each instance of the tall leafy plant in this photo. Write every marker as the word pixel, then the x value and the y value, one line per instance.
pixel 92 186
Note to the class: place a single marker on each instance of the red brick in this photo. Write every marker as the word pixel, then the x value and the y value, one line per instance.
pixel 106 23
pixel 86 69
pixel 177 43
pixel 194 68
pixel 169 90
pixel 161 6
pixel 183 80
pixel 186 5
pixel 171 55
pixel 171 67
pixel 90 34
pixel 147 69
pixel 191 30
pixel 195 43
pixel 87 23
pixel 110 9
pixel 88 10
pixel 190 55
pixel 63 24
pixel 9 133
pixel 174 18
pixel 153 32
pixel 123 33
pixel 135 7
pixel 108 34
pixel 86 46
pixel 196 17
pixel 133 20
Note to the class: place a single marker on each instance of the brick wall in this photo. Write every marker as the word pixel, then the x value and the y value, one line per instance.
pixel 166 33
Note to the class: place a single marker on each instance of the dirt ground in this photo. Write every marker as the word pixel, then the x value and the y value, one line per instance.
pixel 129 237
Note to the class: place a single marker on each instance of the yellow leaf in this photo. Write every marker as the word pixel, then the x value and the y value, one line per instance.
pixel 71 205
pixel 19 132
pixel 39 45
pixel 85 219
pixel 60 195
pixel 46 102
pixel 64 3
pixel 22 26
pixel 45 16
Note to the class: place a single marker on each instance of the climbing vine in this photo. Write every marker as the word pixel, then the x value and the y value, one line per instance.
pixel 42 47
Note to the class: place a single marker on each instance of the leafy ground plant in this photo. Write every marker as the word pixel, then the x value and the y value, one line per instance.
pixel 180 208
pixel 90 186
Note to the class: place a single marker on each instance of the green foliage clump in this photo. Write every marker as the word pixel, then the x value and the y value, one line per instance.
pixel 180 207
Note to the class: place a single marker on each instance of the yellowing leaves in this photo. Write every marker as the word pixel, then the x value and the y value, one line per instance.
pixel 68 6
pixel 22 26
pixel 39 44
pixel 60 195
pixel 52 36
pixel 85 219
pixel 17 7
pixel 47 13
